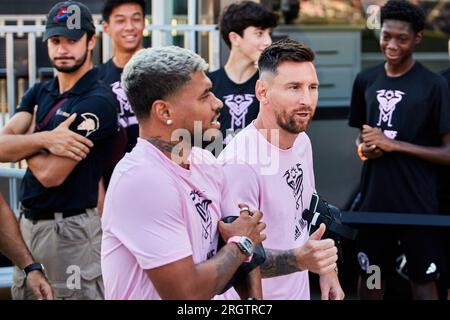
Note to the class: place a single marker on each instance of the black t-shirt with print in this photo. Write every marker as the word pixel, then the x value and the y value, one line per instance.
pixel 110 74
pixel 96 111
pixel 240 106
pixel 444 176
pixel 129 128
pixel 414 108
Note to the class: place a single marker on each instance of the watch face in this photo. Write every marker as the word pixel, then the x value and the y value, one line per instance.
pixel 247 244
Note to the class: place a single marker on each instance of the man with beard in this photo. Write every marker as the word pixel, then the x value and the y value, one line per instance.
pixel 124 22
pixel 162 208
pixel 274 155
pixel 58 219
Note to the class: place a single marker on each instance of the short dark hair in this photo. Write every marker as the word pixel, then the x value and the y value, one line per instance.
pixel 285 50
pixel 404 11
pixel 89 35
pixel 110 5
pixel 239 16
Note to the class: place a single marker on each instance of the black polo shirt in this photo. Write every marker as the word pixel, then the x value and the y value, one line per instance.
pixel 97 120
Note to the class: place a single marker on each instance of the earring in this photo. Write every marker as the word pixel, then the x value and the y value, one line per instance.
pixel 169 122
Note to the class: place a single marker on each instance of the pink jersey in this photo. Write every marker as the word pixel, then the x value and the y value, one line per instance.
pixel 155 213
pixel 279 183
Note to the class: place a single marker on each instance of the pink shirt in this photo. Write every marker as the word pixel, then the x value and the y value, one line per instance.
pixel 279 183
pixel 155 213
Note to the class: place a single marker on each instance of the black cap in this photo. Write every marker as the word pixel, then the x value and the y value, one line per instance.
pixel 70 19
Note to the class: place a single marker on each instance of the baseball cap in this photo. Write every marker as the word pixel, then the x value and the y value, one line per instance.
pixel 70 19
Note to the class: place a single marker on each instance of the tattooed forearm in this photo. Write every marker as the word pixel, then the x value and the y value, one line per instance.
pixel 228 260
pixel 279 263
pixel 164 146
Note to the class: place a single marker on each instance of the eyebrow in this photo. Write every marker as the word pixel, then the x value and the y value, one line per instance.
pixel 401 33
pixel 121 15
pixel 299 83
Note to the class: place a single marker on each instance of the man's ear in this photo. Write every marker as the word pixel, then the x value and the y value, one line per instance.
pixel 162 111
pixel 105 26
pixel 418 37
pixel 261 91
pixel 234 39
pixel 92 42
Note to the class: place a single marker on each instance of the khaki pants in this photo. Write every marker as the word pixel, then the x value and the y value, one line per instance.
pixel 69 249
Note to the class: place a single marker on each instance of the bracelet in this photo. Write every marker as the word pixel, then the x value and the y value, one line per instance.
pixel 360 153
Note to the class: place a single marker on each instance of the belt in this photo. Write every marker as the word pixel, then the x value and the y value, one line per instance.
pixel 39 214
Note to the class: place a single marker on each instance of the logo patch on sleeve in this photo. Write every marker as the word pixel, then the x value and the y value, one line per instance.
pixel 90 123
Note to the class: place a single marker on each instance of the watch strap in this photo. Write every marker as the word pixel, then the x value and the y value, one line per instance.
pixel 32 267
pixel 237 240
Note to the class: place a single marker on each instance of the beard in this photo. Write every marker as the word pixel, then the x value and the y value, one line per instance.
pixel 288 123
pixel 71 69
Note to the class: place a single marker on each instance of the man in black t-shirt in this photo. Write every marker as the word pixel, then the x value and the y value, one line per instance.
pixel 124 22
pixel 58 194
pixel 245 27
pixel 403 111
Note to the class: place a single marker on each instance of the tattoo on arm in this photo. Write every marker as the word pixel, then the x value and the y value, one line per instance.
pixel 162 145
pixel 227 259
pixel 279 263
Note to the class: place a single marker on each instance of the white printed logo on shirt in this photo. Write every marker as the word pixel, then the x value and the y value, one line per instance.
pixel 202 207
pixel 294 179
pixel 238 106
pixel 388 99
pixel 126 114
pixel 90 123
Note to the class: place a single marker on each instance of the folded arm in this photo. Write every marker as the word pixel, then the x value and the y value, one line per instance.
pixel 16 144
pixel 50 170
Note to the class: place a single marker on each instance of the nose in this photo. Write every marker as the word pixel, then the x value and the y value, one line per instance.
pixel 62 48
pixel 306 97
pixel 129 25
pixel 392 44
pixel 217 103
pixel 267 41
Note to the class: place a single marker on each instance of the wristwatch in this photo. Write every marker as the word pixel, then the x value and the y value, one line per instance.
pixel 32 267
pixel 245 245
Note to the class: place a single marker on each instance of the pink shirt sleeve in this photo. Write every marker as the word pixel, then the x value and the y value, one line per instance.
pixel 148 218
pixel 241 185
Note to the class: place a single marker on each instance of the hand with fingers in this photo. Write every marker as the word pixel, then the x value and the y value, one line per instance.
pixel 330 287
pixel 37 282
pixel 316 255
pixel 374 138
pixel 248 224
pixel 371 152
pixel 65 143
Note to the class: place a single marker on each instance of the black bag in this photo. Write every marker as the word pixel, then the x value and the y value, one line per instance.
pixel 320 211
pixel 259 256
